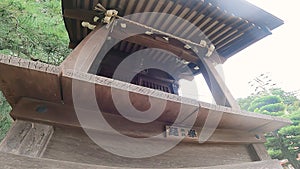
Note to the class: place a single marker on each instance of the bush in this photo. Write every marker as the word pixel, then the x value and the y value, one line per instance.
pixel 5 119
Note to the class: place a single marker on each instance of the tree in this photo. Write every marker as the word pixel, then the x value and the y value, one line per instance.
pixel 284 143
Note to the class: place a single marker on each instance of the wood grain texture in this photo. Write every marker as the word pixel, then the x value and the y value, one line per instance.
pixel 70 144
pixel 82 57
pixel 27 138
pixel 44 84
pixel 231 118
pixel 11 161
pixel 260 152
pixel 15 137
pixel 20 77
pixel 64 115
pixel 219 26
pixel 216 84
pixel 81 14
pixel 270 164
pixel 152 42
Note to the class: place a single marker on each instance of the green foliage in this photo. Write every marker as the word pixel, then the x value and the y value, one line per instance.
pixel 246 102
pixel 33 29
pixel 275 154
pixel 288 97
pixel 285 143
pixel 276 107
pixel 295 117
pixel 5 120
pixel 260 102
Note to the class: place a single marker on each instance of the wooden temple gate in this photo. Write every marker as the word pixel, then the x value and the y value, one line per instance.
pixel 48 132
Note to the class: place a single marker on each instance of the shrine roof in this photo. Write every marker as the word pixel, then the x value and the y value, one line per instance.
pixel 231 27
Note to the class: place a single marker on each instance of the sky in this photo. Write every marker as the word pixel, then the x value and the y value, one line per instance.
pixel 276 54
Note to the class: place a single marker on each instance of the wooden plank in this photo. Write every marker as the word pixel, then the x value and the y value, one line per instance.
pixel 270 164
pixel 36 140
pixel 28 78
pixel 243 120
pixel 238 137
pixel 101 86
pixel 12 161
pixel 15 137
pixel 268 125
pixel 70 144
pixel 27 138
pixel 62 114
pixel 260 152
pixel 22 162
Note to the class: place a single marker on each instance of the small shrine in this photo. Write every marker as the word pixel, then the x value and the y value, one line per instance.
pixel 116 101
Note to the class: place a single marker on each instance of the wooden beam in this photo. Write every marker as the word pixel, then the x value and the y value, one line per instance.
pixel 82 57
pixel 150 42
pixel 80 14
pixel 218 88
pixel 270 164
pixel 27 138
pixel 8 160
pixel 259 152
pixel 20 77
pixel 21 162
pixel 72 144
pixel 147 41
pixel 64 114
pixel 135 34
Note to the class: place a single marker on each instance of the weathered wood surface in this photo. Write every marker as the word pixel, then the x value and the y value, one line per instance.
pixel 64 115
pixel 27 138
pixel 40 82
pixel 70 144
pixel 218 88
pixel 21 77
pixel 11 161
pixel 226 31
pixel 260 152
pixel 44 84
pixel 230 118
pixel 176 47
pixel 84 54
pixel 80 14
pixel 271 164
